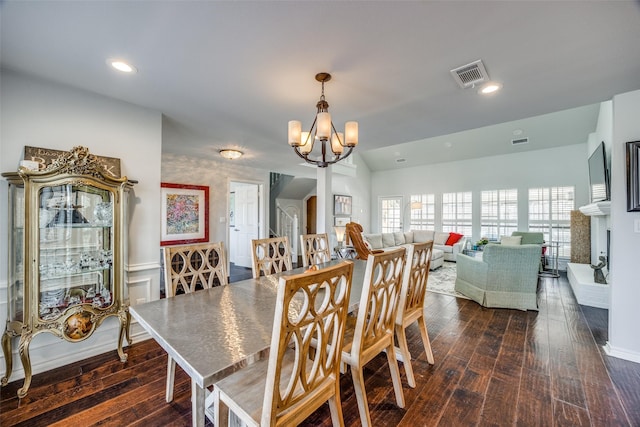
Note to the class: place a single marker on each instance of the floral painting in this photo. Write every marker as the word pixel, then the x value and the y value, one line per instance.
pixel 185 214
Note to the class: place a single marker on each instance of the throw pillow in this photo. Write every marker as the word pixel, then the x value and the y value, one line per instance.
pixel 399 238
pixel 388 240
pixel 453 239
pixel 408 236
pixel 375 240
pixel 421 236
pixel 511 240
pixel 440 238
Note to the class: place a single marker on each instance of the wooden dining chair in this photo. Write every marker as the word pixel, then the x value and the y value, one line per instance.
pixel 411 304
pixel 188 268
pixel 270 256
pixel 372 331
pixel 315 249
pixel 296 379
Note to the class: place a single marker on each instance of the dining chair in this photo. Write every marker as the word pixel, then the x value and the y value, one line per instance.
pixel 353 230
pixel 189 268
pixel 411 304
pixel 315 249
pixel 372 331
pixel 296 379
pixel 270 256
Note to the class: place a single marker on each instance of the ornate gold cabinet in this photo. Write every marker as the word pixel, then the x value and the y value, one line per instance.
pixel 67 247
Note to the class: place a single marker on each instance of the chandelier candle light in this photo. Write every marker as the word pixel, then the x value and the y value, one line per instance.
pixel 325 132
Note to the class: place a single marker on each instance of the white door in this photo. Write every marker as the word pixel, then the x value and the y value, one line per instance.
pixel 246 223
pixel 390 214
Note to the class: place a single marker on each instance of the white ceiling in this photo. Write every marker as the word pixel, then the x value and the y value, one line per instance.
pixel 232 74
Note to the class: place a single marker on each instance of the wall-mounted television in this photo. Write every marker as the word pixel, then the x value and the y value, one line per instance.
pixel 599 175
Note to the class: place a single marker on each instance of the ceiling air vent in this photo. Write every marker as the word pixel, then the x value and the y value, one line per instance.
pixel 470 75
pixel 519 141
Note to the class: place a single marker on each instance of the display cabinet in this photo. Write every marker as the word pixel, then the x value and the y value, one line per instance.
pixel 67 247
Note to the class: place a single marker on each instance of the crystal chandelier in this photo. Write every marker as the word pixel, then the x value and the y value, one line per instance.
pixel 324 131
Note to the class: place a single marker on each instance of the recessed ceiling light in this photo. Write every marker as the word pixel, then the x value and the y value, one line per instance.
pixel 230 154
pixel 517 132
pixel 489 88
pixel 122 66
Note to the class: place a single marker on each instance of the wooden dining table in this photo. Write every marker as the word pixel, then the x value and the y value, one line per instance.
pixel 215 332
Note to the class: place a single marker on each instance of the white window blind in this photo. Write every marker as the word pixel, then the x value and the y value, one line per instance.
pixel 457 212
pixel 498 213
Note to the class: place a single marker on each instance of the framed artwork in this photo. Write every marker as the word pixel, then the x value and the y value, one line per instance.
pixel 185 214
pixel 341 205
pixel 341 221
pixel 633 176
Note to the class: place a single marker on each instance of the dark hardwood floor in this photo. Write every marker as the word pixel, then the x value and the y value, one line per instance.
pixel 493 367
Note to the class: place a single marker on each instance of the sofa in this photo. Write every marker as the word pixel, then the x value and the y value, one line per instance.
pixel 451 244
pixel 504 276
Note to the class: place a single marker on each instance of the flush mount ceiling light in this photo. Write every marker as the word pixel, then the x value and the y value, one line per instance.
pixel 325 132
pixel 230 154
pixel 490 88
pixel 122 66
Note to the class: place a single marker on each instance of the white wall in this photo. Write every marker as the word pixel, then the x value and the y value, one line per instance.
pixel 603 133
pixel 624 316
pixel 543 168
pixel 43 114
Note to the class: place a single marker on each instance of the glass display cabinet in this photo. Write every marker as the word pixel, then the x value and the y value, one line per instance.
pixel 67 246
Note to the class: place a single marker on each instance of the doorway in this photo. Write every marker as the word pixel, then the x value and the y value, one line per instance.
pixel 311 214
pixel 244 221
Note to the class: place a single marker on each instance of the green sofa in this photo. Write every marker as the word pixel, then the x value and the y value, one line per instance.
pixel 505 276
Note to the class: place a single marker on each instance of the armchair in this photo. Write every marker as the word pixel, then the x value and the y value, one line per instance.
pixel 505 277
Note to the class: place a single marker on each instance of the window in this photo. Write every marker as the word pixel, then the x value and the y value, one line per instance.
pixel 550 213
pixel 498 213
pixel 424 217
pixel 390 214
pixel 456 212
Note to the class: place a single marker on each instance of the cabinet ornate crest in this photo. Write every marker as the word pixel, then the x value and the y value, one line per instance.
pixel 67 248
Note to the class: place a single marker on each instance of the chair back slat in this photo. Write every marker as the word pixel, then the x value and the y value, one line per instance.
pixel 379 301
pixel 270 256
pixel 315 249
pixel 192 267
pixel 414 280
pixel 311 308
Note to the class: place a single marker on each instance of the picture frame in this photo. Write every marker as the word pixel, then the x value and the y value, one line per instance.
pixel 341 221
pixel 185 214
pixel 633 176
pixel 342 205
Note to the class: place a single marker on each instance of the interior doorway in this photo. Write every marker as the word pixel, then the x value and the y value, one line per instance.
pixel 311 214
pixel 244 221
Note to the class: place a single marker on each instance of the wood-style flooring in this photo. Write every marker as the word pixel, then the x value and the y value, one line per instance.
pixel 493 367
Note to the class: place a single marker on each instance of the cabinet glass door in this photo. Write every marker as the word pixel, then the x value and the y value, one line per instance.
pixel 16 253
pixel 76 248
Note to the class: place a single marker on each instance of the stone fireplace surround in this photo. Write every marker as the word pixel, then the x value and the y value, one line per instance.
pixel 580 276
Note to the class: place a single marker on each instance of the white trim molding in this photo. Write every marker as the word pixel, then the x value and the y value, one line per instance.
pixel 621 353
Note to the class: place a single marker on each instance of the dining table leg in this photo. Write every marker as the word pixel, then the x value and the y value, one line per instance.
pixel 197 404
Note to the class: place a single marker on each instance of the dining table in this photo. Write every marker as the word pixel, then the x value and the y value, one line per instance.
pixel 214 332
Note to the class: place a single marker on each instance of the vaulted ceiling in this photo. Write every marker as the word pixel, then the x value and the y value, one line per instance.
pixel 232 74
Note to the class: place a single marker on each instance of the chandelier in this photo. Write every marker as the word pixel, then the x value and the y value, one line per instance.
pixel 323 131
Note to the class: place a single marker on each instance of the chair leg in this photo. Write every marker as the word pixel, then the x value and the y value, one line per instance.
pixel 220 410
pixel 395 375
pixel 406 356
pixel 422 325
pixel 171 371
pixel 361 395
pixel 335 407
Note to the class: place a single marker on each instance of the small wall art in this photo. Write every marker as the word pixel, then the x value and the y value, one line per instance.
pixel 185 214
pixel 341 205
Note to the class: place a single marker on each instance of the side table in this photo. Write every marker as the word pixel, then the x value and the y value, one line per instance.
pixel 345 252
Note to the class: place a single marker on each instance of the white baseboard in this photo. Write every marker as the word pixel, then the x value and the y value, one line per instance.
pixel 621 353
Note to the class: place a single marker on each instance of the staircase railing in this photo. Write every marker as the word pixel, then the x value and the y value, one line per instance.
pixel 288 225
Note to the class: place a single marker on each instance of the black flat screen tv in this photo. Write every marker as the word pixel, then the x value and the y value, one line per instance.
pixel 599 175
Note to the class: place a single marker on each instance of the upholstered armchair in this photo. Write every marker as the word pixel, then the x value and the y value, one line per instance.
pixel 505 277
